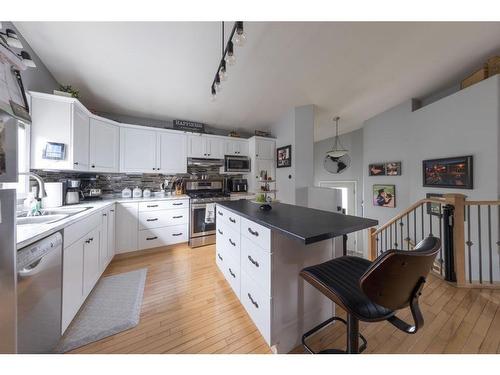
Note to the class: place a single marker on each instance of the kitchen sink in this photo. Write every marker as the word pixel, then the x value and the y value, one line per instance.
pixel 50 215
pixel 43 219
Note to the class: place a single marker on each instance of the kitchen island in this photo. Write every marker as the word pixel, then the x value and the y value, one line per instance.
pixel 261 254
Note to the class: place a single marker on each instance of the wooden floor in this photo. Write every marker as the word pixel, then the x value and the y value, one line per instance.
pixel 189 308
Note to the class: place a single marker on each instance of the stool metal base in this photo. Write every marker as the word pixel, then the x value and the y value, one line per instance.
pixel 352 337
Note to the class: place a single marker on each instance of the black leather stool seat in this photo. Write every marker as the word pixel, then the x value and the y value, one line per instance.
pixel 339 279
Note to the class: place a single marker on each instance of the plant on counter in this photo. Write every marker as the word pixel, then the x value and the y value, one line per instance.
pixel 70 90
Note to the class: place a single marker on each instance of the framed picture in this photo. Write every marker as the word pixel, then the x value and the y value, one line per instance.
pixel 393 168
pixel 433 208
pixel 284 157
pixel 377 169
pixel 384 196
pixel 453 172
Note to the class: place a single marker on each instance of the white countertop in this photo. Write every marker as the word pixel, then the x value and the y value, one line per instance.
pixel 30 233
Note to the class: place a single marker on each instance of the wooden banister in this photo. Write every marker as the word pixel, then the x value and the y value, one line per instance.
pixel 482 203
pixel 458 202
pixel 372 244
pixel 408 210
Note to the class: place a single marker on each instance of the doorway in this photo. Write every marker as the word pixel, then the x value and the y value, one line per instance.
pixel 349 206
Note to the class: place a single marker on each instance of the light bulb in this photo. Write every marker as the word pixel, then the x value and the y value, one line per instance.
pixel 240 39
pixel 214 93
pixel 230 59
pixel 218 86
pixel 222 74
pixel 13 39
pixel 28 61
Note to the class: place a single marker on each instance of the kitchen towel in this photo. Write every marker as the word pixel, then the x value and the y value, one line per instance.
pixel 210 213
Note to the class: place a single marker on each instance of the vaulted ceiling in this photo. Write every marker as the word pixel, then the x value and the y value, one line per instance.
pixel 163 70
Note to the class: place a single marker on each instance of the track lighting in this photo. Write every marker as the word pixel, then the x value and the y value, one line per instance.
pixel 27 60
pixel 12 39
pixel 214 94
pixel 228 57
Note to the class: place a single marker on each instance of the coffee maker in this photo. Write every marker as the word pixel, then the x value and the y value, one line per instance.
pixel 72 192
pixel 237 185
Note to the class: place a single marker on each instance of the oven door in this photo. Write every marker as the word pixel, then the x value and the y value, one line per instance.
pixel 198 226
pixel 237 164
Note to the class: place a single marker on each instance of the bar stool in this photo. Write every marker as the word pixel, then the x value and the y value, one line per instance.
pixel 373 291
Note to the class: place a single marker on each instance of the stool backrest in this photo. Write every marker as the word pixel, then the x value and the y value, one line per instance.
pixel 394 277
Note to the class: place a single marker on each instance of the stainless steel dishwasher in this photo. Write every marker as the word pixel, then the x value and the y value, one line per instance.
pixel 39 295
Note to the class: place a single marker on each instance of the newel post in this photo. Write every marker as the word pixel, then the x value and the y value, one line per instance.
pixel 458 202
pixel 372 244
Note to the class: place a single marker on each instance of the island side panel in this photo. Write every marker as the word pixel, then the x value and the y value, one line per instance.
pixel 296 305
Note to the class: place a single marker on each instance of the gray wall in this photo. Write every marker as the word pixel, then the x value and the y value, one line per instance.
pixel 352 141
pixel 34 79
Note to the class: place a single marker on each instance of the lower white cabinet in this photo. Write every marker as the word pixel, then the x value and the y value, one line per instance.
pixel 126 227
pixel 72 282
pixel 91 261
pixel 107 243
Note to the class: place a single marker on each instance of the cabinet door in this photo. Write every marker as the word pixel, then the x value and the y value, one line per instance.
pixel 111 234
pixel 91 264
pixel 172 152
pixel 72 282
pixel 264 149
pixel 230 147
pixel 214 148
pixel 241 147
pixel 137 150
pixel 104 146
pixel 196 146
pixel 103 251
pixel 80 139
pixel 127 226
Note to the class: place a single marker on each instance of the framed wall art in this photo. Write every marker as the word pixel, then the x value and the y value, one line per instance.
pixel 284 157
pixel 455 172
pixel 384 196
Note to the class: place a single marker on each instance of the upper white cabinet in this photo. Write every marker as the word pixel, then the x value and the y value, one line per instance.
pixel 104 153
pixel 264 148
pixel 151 151
pixel 172 152
pixel 237 147
pixel 205 146
pixel 59 121
pixel 137 150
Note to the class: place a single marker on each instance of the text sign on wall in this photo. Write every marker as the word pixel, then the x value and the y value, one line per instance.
pixel 189 126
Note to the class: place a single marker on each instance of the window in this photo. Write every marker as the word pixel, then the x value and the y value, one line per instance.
pixel 23 159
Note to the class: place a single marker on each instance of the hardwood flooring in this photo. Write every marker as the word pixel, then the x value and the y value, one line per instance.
pixel 188 307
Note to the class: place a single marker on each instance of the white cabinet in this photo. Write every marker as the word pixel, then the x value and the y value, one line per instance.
pixel 72 282
pixel 137 150
pixel 91 261
pixel 205 146
pixel 62 121
pixel 107 243
pixel 264 148
pixel 104 150
pixel 127 225
pixel 261 151
pixel 172 152
pixel 238 147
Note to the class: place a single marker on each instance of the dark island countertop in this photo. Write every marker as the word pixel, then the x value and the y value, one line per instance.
pixel 302 223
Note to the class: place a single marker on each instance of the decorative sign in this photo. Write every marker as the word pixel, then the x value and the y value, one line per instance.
pixel 189 126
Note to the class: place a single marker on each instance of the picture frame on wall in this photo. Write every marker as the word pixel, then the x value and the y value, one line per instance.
pixel 434 208
pixel 453 172
pixel 284 157
pixel 376 169
pixel 393 168
pixel 384 195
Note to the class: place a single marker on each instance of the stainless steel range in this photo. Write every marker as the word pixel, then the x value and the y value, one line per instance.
pixel 203 194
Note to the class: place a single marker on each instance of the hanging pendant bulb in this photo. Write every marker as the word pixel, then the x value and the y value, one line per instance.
pixel 240 37
pixel 13 39
pixel 222 71
pixel 230 58
pixel 27 60
pixel 214 94
pixel 338 150
pixel 218 86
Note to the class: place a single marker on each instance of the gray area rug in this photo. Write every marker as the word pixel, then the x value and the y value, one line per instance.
pixel 113 306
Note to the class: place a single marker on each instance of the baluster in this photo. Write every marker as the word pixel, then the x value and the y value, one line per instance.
pixel 441 239
pixel 479 243
pixel 401 228
pixel 385 231
pixel 422 216
pixel 489 245
pixel 415 226
pixel 390 231
pixel 408 231
pixel 469 244
pixel 430 221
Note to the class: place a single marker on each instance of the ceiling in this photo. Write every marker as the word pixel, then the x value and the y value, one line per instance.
pixel 163 70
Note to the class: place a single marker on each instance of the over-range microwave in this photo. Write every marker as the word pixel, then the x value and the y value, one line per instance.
pixel 238 164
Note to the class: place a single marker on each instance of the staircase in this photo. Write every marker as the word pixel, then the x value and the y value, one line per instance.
pixel 469 233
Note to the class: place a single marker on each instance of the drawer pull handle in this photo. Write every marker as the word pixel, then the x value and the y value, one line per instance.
pixel 104 214
pixel 220 256
pixel 220 213
pixel 232 220
pixel 220 232
pixel 152 206
pixel 251 299
pixel 232 274
pixel 177 217
pixel 112 210
pixel 151 238
pixel 156 219
pixel 253 232
pixel 177 204
pixel 232 243
pixel 254 262
pixel 177 234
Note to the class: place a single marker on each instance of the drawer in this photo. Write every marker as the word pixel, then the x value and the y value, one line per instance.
pixel 257 233
pixel 231 219
pixel 229 240
pixel 256 262
pixel 219 259
pixel 257 304
pixel 164 205
pixel 233 274
pixel 162 218
pixel 155 237
pixel 79 229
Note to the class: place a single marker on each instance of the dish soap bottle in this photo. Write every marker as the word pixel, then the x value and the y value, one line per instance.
pixel 126 193
pixel 137 192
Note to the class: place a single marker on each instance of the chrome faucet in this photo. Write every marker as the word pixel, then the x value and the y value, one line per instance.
pixel 41 184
